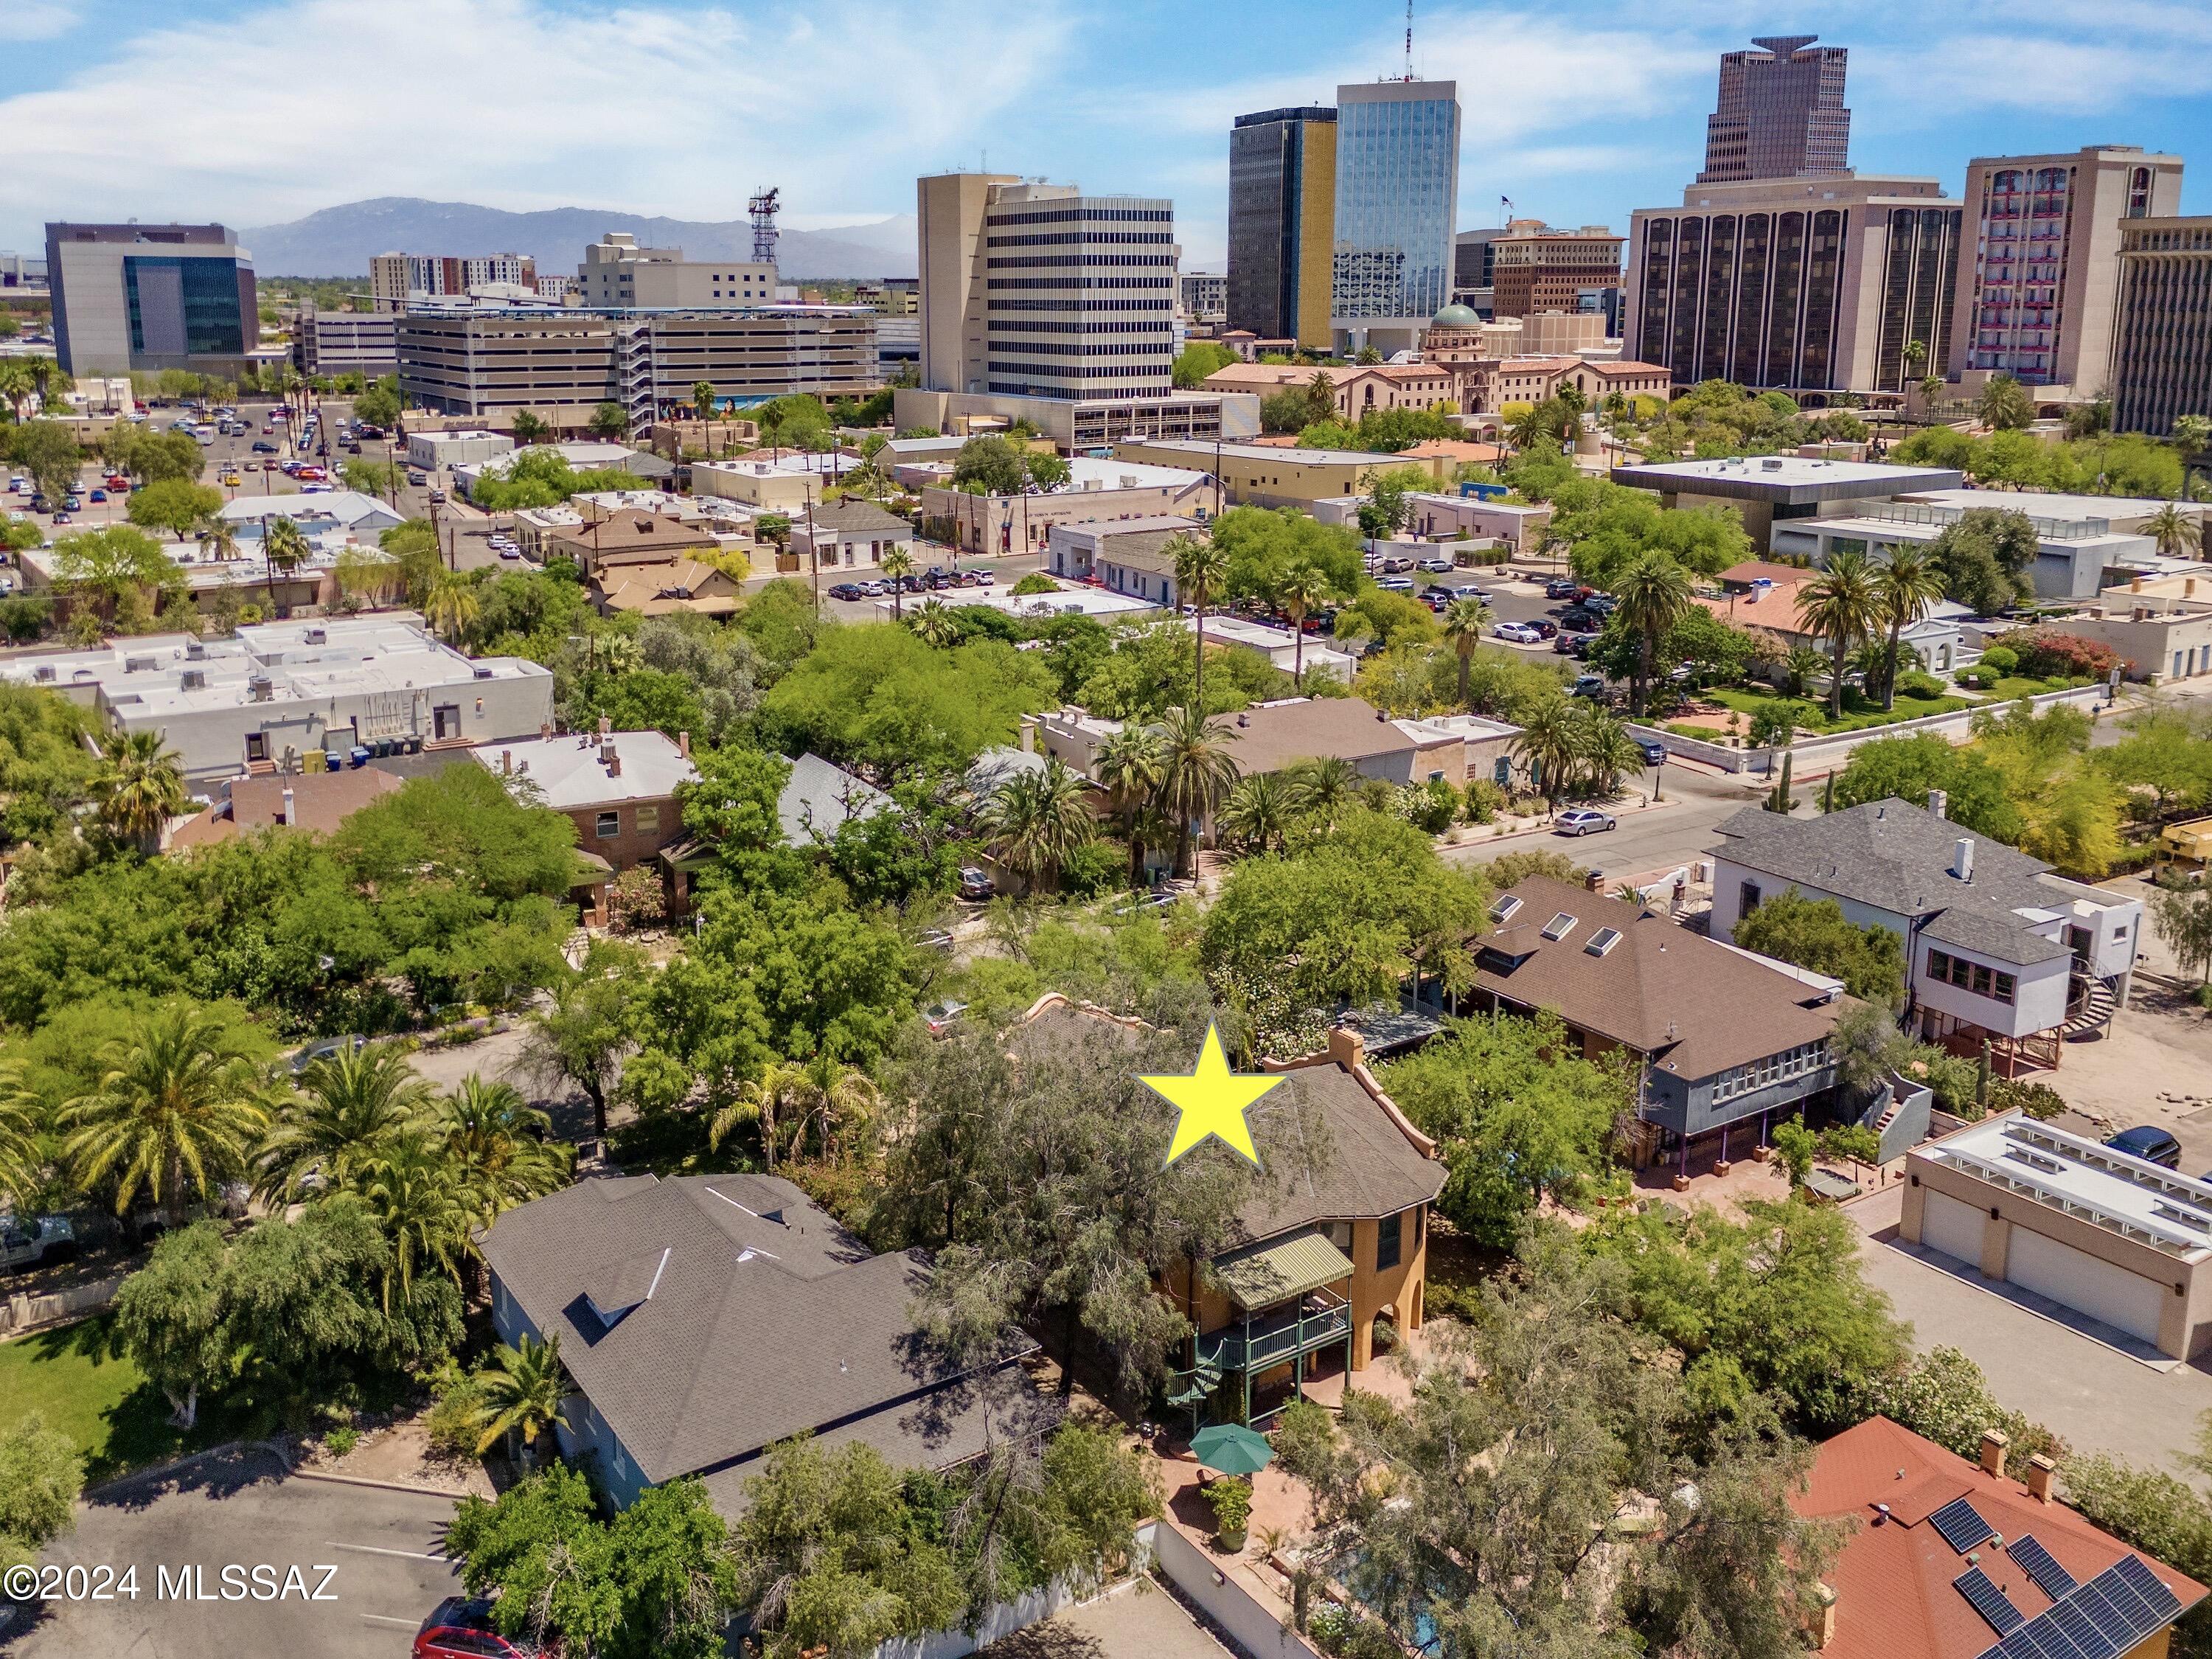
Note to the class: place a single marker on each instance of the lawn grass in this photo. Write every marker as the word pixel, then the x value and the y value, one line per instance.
pixel 77 1378
pixel 1859 713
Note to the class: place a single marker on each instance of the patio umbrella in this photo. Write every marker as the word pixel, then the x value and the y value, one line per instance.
pixel 1232 1448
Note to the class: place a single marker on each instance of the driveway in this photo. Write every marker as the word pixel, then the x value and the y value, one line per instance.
pixel 242 1510
pixel 2092 1396
pixel 1134 1621
pixel 498 1058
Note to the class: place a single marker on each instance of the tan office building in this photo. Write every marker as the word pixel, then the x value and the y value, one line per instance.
pixel 1536 268
pixel 1266 475
pixel 618 274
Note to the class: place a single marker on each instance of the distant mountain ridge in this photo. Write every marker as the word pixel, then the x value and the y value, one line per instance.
pixel 338 241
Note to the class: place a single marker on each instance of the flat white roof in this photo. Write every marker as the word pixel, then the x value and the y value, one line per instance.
pixel 2129 1196
pixel 1101 529
pixel 2044 504
pixel 1199 448
pixel 1877 527
pixel 1793 469
pixel 346 506
pixel 1072 600
pixel 573 769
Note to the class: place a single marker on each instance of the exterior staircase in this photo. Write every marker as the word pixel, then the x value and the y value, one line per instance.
pixel 2093 1013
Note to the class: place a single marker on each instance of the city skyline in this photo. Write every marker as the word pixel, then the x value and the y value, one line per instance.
pixel 675 108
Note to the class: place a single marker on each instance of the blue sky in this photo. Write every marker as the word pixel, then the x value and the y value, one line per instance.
pixel 255 112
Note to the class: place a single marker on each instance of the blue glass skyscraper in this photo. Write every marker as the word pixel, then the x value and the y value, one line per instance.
pixel 1397 189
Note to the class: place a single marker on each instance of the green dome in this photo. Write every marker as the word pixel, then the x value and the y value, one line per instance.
pixel 1455 316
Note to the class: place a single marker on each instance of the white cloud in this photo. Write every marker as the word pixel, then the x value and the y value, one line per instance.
pixel 38 20
pixel 519 104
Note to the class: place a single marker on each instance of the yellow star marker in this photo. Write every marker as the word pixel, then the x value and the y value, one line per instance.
pixel 1213 1100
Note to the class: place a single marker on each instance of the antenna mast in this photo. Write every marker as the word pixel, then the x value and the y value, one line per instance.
pixel 762 207
pixel 1409 40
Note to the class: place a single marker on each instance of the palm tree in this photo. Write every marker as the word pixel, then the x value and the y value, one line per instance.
pixel 1840 605
pixel 412 1190
pixel 452 607
pixel 284 545
pixel 20 1109
pixel 219 538
pixel 839 1100
pixel 177 1105
pixel 933 625
pixel 2004 405
pixel 1303 589
pixel 1321 787
pixel 898 565
pixel 139 788
pixel 1654 594
pixel 1549 744
pixel 764 1100
pixel 1910 582
pixel 353 1106
pixel 496 1141
pixel 1258 813
pixel 1465 622
pixel 1034 820
pixel 1602 750
pixel 523 1387
pixel 1915 354
pixel 1130 766
pixel 1799 667
pixel 17 382
pixel 1197 770
pixel 1201 568
pixel 2175 531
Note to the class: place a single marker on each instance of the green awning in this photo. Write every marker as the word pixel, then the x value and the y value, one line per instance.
pixel 1260 1275
pixel 591 869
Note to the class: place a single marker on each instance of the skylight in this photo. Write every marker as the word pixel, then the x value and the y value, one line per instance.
pixel 1504 910
pixel 1560 925
pixel 1602 940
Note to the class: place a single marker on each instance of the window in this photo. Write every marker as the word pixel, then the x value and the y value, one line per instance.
pixel 1387 1236
pixel 609 825
pixel 1420 1225
pixel 1747 898
pixel 647 819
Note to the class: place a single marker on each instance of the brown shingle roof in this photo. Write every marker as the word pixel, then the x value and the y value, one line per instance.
pixel 850 515
pixel 1695 1006
pixel 320 800
pixel 1270 736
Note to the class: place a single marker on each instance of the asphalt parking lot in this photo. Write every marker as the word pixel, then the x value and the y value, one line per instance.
pixel 381 1551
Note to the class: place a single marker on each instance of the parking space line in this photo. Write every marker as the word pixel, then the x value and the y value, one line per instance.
pixel 373 1549
pixel 386 1619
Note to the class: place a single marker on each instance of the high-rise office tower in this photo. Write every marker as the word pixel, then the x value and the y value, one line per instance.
pixel 1397 189
pixel 1802 284
pixel 2162 366
pixel 1037 291
pixel 1535 268
pixel 1781 112
pixel 151 297
pixel 2040 276
pixel 1282 212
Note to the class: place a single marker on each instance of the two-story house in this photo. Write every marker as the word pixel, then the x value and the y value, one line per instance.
pixel 1999 950
pixel 1321 1253
pixel 1724 1039
pixel 619 788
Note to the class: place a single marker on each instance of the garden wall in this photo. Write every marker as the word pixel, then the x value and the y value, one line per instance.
pixel 21 1312
pixel 1254 1627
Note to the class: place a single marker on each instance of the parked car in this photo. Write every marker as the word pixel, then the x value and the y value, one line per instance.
pixel 1396 567
pixel 941 1016
pixel 1563 588
pixel 1545 631
pixel 1396 584
pixel 1568 644
pixel 458 1628
pixel 1436 566
pixel 975 883
pixel 437 497
pixel 1519 633
pixel 25 1243
pixel 327 1049
pixel 99 495
pixel 845 591
pixel 415 478
pixel 1588 685
pixel 934 939
pixel 1654 752
pixel 1584 821
pixel 1470 591
pixel 2150 1143
pixel 62 518
pixel 1438 599
pixel 117 481
pixel 1604 603
pixel 1581 619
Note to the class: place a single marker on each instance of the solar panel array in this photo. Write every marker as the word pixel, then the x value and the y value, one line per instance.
pixel 2038 1564
pixel 1989 1600
pixel 2099 1619
pixel 1961 1524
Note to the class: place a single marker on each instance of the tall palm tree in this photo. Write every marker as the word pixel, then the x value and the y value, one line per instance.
pixel 1550 744
pixel 1130 767
pixel 284 544
pixel 17 383
pixel 496 1141
pixel 1602 750
pixel 1258 813
pixel 176 1107
pixel 839 1101
pixel 1197 771
pixel 139 788
pixel 1465 622
pixel 219 538
pixel 767 1100
pixel 1303 589
pixel 413 1192
pixel 1841 606
pixel 933 625
pixel 898 565
pixel 1910 582
pixel 1321 787
pixel 22 1107
pixel 1034 820
pixel 351 1107
pixel 452 607
pixel 1654 594
pixel 523 1387
pixel 1201 567
pixel 2175 531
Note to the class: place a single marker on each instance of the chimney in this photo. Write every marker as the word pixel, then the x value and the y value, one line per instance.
pixel 1824 1618
pixel 612 757
pixel 1595 881
pixel 2039 1471
pixel 1995 1442
pixel 606 728
pixel 1939 802
pixel 1962 858
pixel 1027 736
pixel 506 763
pixel 545 731
pixel 2135 585
pixel 291 808
pixel 1346 1048
pixel 683 745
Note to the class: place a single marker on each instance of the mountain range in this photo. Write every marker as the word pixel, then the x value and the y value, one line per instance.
pixel 338 241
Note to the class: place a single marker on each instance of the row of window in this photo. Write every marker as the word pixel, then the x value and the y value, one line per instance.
pixel 1080 349
pixel 1161 284
pixel 1152 305
pixel 1774 1069
pixel 1067 238
pixel 1158 325
pixel 1077 261
pixel 1068 214
pixel 645 819
pixel 1946 970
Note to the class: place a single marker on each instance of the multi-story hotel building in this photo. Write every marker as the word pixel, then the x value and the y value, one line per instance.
pixel 1535 268
pixel 2162 340
pixel 1397 188
pixel 395 278
pixel 1781 112
pixel 1282 218
pixel 2040 275
pixel 1810 284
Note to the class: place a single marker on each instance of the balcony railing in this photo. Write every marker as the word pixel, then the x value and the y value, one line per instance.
pixel 1277 1335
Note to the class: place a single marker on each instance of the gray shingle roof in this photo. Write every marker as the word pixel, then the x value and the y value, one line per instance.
pixel 850 515
pixel 2001 938
pixel 818 798
pixel 765 1319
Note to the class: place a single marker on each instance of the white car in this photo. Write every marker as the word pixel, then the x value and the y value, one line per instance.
pixel 1519 633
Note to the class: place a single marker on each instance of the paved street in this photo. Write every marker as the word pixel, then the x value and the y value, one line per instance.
pixel 240 1510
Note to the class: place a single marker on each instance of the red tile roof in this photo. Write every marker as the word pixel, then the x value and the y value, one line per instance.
pixel 1893 1580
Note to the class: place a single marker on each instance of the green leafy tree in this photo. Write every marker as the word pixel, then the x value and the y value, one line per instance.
pixel 1815 933
pixel 48 453
pixel 610 421
pixel 529 428
pixel 989 466
pixel 1908 769
pixel 544 1555
pixel 40 1475
pixel 1198 360
pixel 1985 556
pixel 171 1318
pixel 580 1036
pixel 174 506
pixel 116 568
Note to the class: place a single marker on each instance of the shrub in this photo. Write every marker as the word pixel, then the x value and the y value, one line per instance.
pixel 1095 867
pixel 341 1440
pixel 2038 1100
pixel 1485 801
pixel 455 1422
pixel 1231 1500
pixel 2046 654
pixel 2000 660
pixel 1430 806
pixel 1347 1633
pixel 1945 1397
pixel 1036 582
pixel 1916 684
pixel 636 899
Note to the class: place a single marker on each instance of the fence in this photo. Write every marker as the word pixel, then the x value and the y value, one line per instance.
pixel 22 1311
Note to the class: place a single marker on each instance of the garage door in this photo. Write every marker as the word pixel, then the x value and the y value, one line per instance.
pixel 1952 1227
pixel 2085 1284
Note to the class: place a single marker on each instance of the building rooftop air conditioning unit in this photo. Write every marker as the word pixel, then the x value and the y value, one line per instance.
pixel 43 673
pixel 195 679
pixel 260 688
pixel 318 636
pixel 484 673
pixel 134 664
pixel 196 652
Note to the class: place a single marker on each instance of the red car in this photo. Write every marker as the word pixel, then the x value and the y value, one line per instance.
pixel 461 1629
pixel 118 481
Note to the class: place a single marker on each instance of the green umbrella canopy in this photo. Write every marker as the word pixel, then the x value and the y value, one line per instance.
pixel 1232 1449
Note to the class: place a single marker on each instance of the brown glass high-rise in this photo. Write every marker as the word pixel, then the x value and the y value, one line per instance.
pixel 1781 112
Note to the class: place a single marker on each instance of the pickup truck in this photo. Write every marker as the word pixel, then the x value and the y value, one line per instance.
pixel 26 1243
